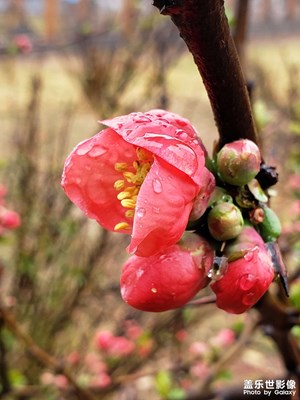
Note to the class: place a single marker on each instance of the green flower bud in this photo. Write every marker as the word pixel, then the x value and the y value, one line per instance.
pixel 238 162
pixel 225 221
pixel 270 228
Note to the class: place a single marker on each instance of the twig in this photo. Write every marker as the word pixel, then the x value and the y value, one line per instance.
pixel 41 355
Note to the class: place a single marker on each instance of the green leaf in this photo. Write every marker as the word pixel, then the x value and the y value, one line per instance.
pixel 225 374
pixel 163 383
pixel 17 378
pixel 177 394
pixel 295 294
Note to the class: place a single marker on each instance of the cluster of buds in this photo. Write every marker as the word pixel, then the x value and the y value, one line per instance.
pixel 148 175
pixel 241 221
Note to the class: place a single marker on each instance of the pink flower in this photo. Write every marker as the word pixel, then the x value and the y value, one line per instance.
pixel 168 279
pixel 200 370
pixel 198 348
pixel 9 219
pixel 140 176
pixel 101 381
pixel 244 281
pixel 23 43
pixel 224 338
pixel 117 346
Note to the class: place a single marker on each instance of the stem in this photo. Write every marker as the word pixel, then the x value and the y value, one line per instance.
pixel 203 26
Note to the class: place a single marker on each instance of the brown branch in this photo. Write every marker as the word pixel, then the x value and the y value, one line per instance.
pixel 204 28
pixel 41 355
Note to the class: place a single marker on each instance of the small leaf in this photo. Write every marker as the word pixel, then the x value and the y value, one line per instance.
pixel 257 191
pixel 177 394
pixel 163 383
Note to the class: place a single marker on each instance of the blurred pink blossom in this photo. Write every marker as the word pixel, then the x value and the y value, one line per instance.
pixel 198 348
pixel 118 346
pixel 199 370
pixel 224 338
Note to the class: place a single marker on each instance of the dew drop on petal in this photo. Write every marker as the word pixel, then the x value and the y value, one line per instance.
pixel 247 281
pixel 140 212
pixel 84 148
pixel 139 273
pixel 154 290
pixel 141 118
pixel 248 298
pixel 156 210
pixel 157 186
pixel 180 134
pixel 180 122
pixel 97 151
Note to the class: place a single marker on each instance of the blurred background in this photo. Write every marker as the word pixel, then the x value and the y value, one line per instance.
pixel 65 64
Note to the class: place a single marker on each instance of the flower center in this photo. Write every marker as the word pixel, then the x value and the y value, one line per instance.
pixel 129 187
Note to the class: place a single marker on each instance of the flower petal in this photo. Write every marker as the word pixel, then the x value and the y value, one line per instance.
pixel 89 176
pixel 166 135
pixel 163 206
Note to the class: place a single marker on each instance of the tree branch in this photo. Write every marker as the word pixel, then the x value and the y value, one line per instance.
pixel 203 26
pixel 41 355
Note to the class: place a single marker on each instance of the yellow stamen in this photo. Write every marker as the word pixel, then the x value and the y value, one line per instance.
pixel 130 177
pixel 129 213
pixel 121 225
pixel 128 203
pixel 119 184
pixel 124 195
pixel 121 166
pixel 134 176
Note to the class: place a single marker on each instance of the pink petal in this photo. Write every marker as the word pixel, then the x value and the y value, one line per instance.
pixel 89 176
pixel 164 203
pixel 166 135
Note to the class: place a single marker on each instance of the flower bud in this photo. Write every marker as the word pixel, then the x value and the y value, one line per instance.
pixel 245 281
pixel 247 239
pixel 239 162
pixel 169 279
pixel 225 221
pixel 270 228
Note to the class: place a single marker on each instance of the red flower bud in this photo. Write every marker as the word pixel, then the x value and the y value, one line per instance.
pixel 168 279
pixel 244 281
pixel 239 162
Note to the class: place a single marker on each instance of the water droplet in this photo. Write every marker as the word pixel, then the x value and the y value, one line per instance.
pixel 180 122
pixel 84 147
pixel 141 118
pixel 157 186
pixel 248 298
pixel 139 273
pixel 156 210
pixel 97 151
pixel 250 254
pixel 180 134
pixel 154 290
pixel 157 136
pixel 128 132
pixel 140 212
pixel 247 281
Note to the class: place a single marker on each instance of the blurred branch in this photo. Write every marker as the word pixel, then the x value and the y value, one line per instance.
pixel 4 380
pixel 39 354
